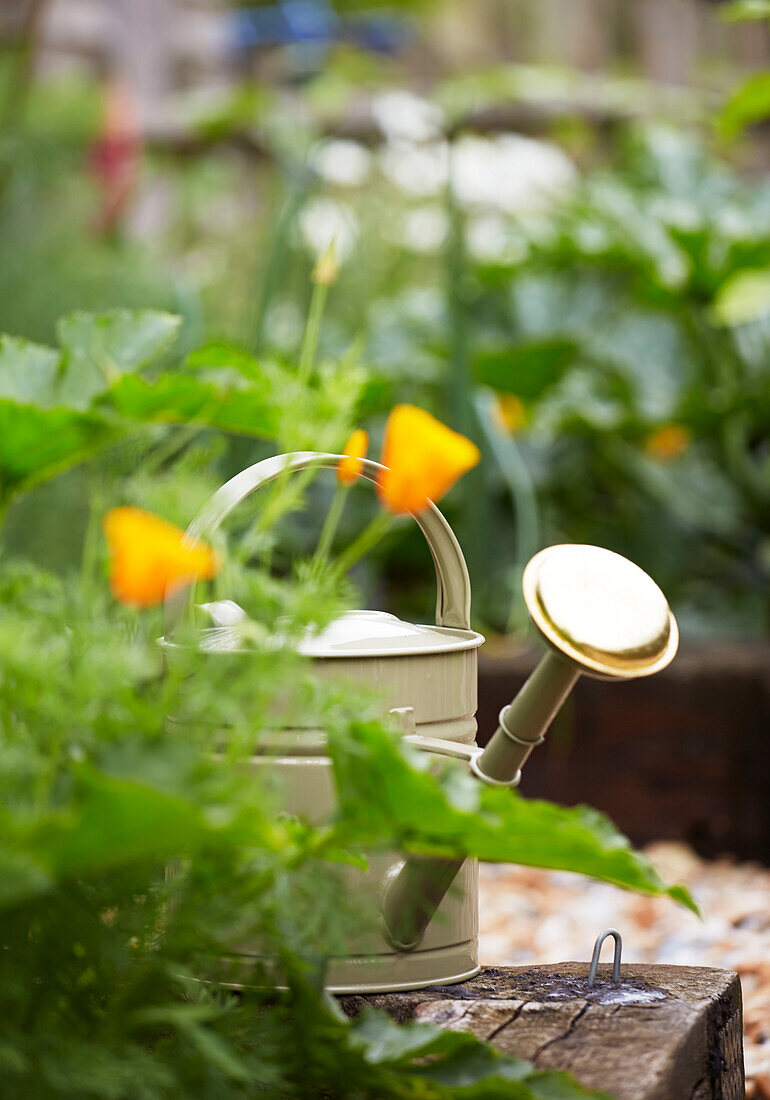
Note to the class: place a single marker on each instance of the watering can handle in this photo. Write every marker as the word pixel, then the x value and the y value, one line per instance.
pixel 453 600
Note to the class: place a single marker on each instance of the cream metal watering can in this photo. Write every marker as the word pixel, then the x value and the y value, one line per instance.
pixel 598 614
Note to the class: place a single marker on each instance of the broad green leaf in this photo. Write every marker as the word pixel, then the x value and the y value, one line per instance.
pixel 648 351
pixel 36 443
pixel 742 298
pixel 526 368
pixel 21 878
pixel 101 347
pixel 111 822
pixel 449 1061
pixel 382 795
pixel 218 354
pixel 750 103
pixel 742 11
pixel 183 398
pixel 28 372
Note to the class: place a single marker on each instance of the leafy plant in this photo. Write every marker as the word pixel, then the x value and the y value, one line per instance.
pixel 100 978
pixel 140 843
pixel 107 381
pixel 632 328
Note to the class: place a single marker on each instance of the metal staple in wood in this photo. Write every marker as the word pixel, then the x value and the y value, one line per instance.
pixel 597 951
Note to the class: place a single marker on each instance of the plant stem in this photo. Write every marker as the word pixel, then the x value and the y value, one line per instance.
pixel 174 442
pixel 525 511
pixel 91 540
pixel 277 253
pixel 459 389
pixel 283 501
pixel 331 523
pixel 368 538
pixel 312 331
pixel 273 508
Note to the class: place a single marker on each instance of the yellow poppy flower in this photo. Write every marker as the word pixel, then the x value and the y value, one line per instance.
pixel 349 468
pixel 510 412
pixel 147 557
pixel 668 442
pixel 424 459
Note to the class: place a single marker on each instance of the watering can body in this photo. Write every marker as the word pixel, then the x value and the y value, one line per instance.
pixel 598 615
pixel 425 675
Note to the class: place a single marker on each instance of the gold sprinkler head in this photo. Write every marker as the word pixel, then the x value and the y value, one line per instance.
pixel 600 611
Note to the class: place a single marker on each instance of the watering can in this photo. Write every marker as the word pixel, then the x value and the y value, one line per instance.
pixel 598 614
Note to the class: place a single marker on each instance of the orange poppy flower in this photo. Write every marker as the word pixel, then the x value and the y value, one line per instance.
pixel 349 468
pixel 424 459
pixel 148 556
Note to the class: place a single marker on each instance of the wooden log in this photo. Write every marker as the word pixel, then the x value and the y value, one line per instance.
pixel 662 1033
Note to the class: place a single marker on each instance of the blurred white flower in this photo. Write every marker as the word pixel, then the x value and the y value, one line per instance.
pixel 419 170
pixel 677 212
pixel 402 115
pixel 733 222
pixel 509 172
pixel 488 237
pixel 592 237
pixel 423 229
pixel 346 163
pixel 425 304
pixel 323 222
pixel 673 269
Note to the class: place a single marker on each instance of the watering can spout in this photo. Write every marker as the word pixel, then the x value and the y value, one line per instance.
pixel 599 615
pixel 524 722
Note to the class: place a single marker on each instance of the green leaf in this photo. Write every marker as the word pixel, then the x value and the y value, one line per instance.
pixel 37 443
pixel 28 372
pixel 38 437
pixel 742 298
pixel 750 103
pixel 101 347
pixel 447 1061
pixel 742 11
pixel 649 352
pixel 526 368
pixel 219 354
pixel 189 1020
pixel 183 398
pixel 21 878
pixel 110 823
pixel 383 796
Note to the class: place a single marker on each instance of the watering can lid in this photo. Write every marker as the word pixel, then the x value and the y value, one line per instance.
pixel 379 634
pixel 352 634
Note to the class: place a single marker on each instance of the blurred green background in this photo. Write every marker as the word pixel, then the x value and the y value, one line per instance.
pixel 552 224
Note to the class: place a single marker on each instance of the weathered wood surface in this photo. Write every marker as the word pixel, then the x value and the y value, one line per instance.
pixel 665 1033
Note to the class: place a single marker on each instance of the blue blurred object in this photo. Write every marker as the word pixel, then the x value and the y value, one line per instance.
pixel 314 22
pixel 385 34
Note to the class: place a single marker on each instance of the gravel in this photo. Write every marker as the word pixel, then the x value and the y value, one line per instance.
pixel 533 916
